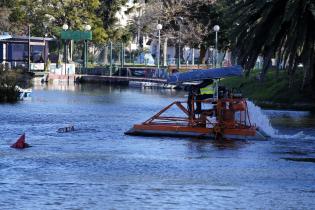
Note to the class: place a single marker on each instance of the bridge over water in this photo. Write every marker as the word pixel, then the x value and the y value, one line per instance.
pixel 116 79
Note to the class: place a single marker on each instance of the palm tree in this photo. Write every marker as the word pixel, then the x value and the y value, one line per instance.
pixel 276 28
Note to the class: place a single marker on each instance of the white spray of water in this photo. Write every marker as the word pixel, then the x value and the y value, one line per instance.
pixel 258 118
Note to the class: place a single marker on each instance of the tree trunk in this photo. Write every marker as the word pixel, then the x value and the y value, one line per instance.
pixel 265 69
pixel 278 66
pixel 312 76
pixel 202 57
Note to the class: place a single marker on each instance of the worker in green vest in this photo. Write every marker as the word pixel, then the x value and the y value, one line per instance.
pixel 207 91
pixel 200 92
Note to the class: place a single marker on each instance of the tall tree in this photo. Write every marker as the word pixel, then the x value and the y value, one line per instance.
pixel 278 28
pixel 76 13
pixel 108 11
pixel 198 18
pixel 203 16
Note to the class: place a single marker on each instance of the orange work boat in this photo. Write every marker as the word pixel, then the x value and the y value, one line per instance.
pixel 225 115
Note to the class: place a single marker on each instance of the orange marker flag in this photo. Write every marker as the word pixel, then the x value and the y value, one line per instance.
pixel 20 143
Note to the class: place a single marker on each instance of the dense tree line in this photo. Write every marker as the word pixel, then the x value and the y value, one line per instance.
pixel 278 29
pixel 48 16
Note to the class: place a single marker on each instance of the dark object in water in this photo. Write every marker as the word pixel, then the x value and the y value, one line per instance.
pixel 20 143
pixel 310 160
pixel 66 129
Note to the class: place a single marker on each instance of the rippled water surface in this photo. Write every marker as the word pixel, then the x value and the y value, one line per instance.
pixel 98 167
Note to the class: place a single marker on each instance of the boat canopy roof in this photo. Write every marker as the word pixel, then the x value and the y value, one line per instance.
pixel 197 75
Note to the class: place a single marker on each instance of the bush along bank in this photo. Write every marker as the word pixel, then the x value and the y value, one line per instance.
pixel 276 91
pixel 9 94
pixel 9 80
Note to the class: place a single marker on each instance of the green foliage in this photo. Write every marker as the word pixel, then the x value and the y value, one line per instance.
pixel 100 14
pixel 275 88
pixel 54 13
pixel 8 82
pixel 210 14
pixel 279 28
pixel 8 94
pixel 193 20
pixel 6 3
pixel 107 11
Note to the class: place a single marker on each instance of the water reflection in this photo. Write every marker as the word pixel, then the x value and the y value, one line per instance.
pixel 204 145
pixel 291 118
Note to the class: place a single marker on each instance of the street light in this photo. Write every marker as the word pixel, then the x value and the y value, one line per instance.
pixel 65 27
pixel 159 28
pixel 86 28
pixel 216 28
pixel 45 46
pixel 179 22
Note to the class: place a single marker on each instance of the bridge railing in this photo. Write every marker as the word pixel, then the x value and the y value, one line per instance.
pixel 125 71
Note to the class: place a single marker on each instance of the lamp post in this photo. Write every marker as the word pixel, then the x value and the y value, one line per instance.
pixel 179 22
pixel 29 48
pixel 45 47
pixel 86 28
pixel 111 58
pixel 159 28
pixel 216 28
pixel 65 27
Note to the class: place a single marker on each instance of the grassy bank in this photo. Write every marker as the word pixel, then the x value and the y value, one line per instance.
pixel 8 82
pixel 274 91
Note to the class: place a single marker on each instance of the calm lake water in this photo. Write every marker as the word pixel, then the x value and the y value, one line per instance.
pixel 98 167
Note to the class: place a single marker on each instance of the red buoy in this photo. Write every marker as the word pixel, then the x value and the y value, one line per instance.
pixel 20 143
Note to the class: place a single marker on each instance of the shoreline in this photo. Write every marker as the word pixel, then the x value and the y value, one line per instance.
pixel 92 79
pixel 292 107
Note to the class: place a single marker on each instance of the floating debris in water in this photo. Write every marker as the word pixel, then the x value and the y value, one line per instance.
pixel 66 129
pixel 311 160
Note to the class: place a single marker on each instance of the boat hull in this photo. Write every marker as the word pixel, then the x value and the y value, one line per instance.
pixel 198 132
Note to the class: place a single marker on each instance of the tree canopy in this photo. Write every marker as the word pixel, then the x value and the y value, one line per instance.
pixel 279 28
pixel 107 11
pixel 54 13
pixel 196 17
